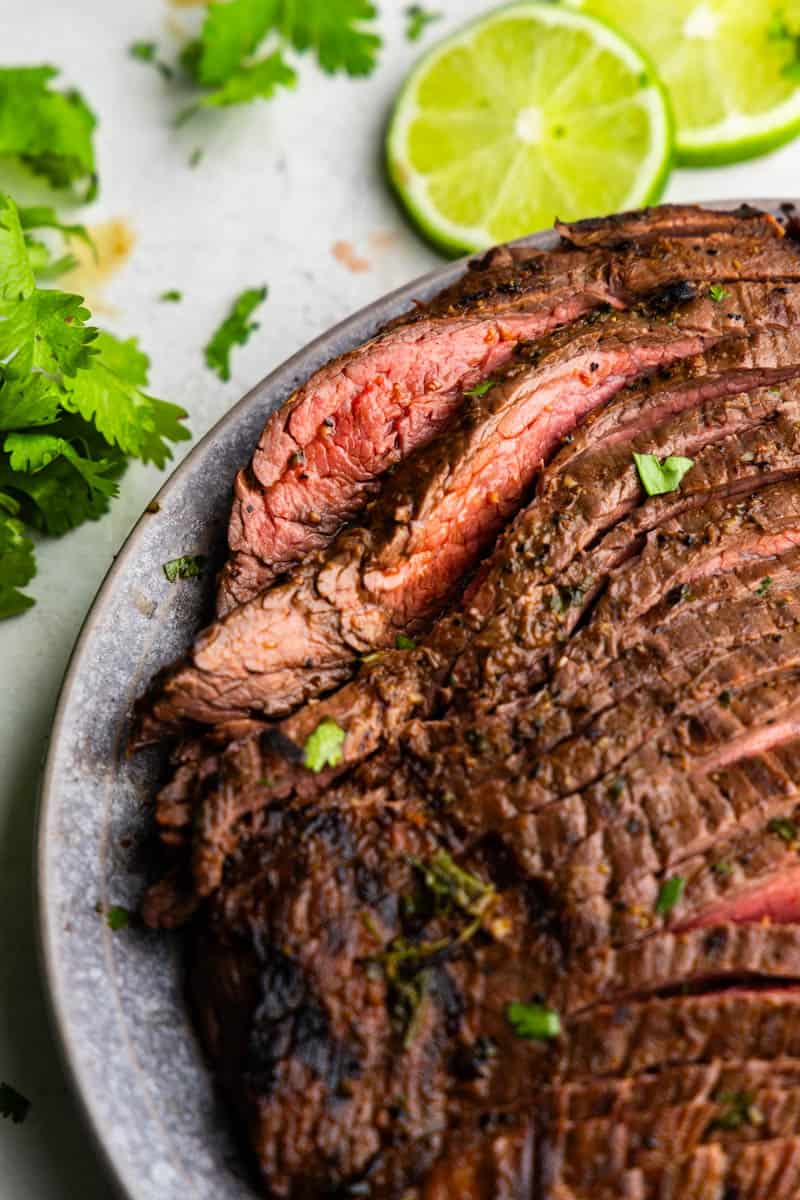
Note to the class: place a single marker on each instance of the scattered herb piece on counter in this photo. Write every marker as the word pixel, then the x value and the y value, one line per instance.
pixel 189 566
pixel 117 918
pixel 417 21
pixel 196 157
pixel 147 52
pixel 783 828
pixel 764 586
pixel 324 747
pixel 658 478
pixel 234 331
pixel 172 296
pixel 49 131
pixel 480 389
pixel 338 32
pixel 404 643
pixel 670 894
pixel 72 407
pixel 533 1021
pixel 13 1105
pixel 718 293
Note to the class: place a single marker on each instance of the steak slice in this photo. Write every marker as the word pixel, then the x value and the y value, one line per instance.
pixel 623 1097
pixel 433 521
pixel 308 476
pixel 706 956
pixel 593 1153
pixel 670 220
pixel 629 1038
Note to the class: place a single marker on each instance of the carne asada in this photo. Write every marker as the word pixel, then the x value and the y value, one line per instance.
pixel 482 812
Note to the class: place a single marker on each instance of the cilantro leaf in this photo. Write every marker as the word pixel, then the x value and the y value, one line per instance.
pixel 533 1021
pixel 187 567
pixel 718 293
pixel 403 642
pixel 333 29
pixel 658 478
pixel 324 747
pixel 231 32
pixel 117 918
pixel 670 894
pixel 234 331
pixel 171 296
pixel 480 389
pixel 147 52
pixel 109 394
pixel 17 566
pixel 13 1104
pixel 258 81
pixel 72 407
pixel 417 21
pixel 50 131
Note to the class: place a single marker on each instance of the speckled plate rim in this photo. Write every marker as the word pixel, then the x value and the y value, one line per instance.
pixel 156 1134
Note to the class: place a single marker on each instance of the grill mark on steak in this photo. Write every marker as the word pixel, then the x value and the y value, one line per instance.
pixel 434 520
pixel 307 477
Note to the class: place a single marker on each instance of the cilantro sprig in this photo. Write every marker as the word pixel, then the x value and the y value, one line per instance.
pixel 73 405
pixel 48 130
pixel 234 331
pixel 250 49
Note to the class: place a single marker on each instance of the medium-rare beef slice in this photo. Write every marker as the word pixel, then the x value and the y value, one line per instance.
pixel 307 476
pixel 753 873
pixel 672 220
pixel 432 522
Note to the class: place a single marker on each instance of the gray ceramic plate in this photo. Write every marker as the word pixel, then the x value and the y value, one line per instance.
pixel 117 998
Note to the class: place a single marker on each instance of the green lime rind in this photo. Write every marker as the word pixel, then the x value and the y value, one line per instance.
pixel 650 103
pixel 732 70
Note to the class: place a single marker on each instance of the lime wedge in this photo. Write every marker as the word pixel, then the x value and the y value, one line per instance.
pixel 732 69
pixel 531 113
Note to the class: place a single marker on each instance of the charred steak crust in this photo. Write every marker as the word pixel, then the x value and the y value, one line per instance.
pixel 532 929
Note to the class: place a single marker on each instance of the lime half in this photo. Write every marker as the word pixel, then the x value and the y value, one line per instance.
pixel 732 69
pixel 534 112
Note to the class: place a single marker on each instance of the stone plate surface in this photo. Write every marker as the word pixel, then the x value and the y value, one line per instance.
pixel 117 998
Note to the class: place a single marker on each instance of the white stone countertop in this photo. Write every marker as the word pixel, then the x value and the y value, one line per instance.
pixel 277 187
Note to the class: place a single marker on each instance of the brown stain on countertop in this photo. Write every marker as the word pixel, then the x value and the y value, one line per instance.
pixel 114 241
pixel 346 254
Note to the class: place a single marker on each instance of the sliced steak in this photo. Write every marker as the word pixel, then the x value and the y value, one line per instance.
pixel 320 454
pixel 670 220
pixel 433 521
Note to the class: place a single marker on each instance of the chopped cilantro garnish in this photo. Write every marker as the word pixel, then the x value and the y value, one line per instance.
pixel 72 405
pixel 533 1021
pixel 172 296
pixel 783 828
pixel 234 331
pixel 736 1109
pixel 764 586
pixel 189 566
pixel 13 1105
pixel 659 478
pixel 670 894
pixel 49 131
pixel 480 389
pixel 723 868
pixel 718 293
pixel 147 52
pixel 404 643
pixel 324 747
pixel 417 21
pixel 117 918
